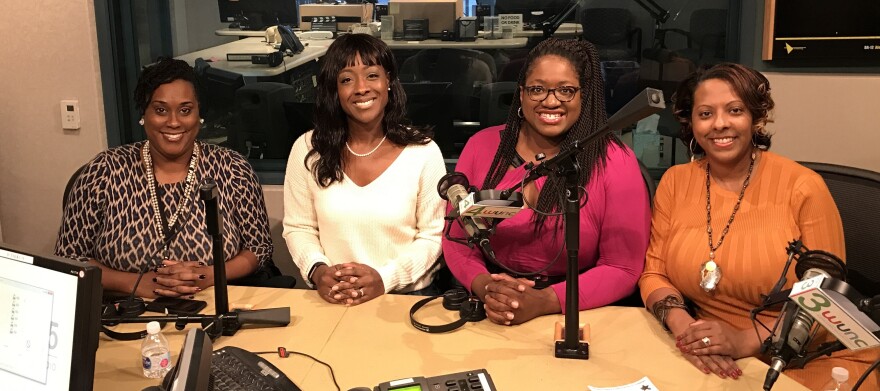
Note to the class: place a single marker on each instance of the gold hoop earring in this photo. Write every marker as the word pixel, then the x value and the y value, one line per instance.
pixel 691 148
pixel 519 113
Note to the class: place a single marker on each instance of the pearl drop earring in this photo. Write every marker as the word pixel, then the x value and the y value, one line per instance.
pixel 141 121
pixel 201 120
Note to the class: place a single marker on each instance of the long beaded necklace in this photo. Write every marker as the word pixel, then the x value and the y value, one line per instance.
pixel 710 272
pixel 368 153
pixel 165 232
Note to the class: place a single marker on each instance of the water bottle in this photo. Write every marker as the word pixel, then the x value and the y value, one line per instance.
pixel 838 382
pixel 155 353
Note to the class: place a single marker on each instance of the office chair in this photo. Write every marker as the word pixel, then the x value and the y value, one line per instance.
pixel 857 195
pixel 706 38
pixel 466 69
pixel 635 299
pixel 613 33
pixel 428 104
pixel 219 87
pixel 69 186
pixel 495 100
pixel 261 128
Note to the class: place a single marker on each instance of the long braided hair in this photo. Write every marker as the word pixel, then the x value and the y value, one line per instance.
pixel 585 59
pixel 331 122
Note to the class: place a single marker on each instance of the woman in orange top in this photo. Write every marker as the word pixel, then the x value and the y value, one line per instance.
pixel 721 223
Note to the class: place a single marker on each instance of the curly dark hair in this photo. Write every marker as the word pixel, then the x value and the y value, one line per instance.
pixel 164 71
pixel 331 122
pixel 748 84
pixel 585 60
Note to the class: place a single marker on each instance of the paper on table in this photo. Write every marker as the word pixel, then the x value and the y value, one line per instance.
pixel 643 384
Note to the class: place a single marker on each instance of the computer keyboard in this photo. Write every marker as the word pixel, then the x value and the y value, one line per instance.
pixel 234 369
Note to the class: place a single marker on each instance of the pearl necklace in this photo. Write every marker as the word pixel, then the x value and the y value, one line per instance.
pixel 154 198
pixel 368 153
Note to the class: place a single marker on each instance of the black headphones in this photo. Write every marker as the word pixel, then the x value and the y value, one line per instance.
pixel 123 308
pixel 470 309
pixel 273 59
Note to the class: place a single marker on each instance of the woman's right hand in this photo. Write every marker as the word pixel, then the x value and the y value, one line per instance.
pixel 723 366
pixel 324 279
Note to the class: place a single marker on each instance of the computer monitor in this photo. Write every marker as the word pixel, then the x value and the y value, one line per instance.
pixel 533 12
pixel 193 369
pixel 259 14
pixel 441 15
pixel 50 314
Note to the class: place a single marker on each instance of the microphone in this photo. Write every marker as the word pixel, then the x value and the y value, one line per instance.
pixel 794 337
pixel 453 188
pixel 798 324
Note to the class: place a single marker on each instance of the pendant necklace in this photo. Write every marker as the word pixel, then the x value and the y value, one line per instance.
pixel 710 272
pixel 166 231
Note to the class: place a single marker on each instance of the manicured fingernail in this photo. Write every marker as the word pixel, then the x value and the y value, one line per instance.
pixel 706 370
pixel 514 304
pixel 155 292
pixel 202 276
pixel 507 323
pixel 198 289
pixel 509 315
pixel 337 297
pixel 338 273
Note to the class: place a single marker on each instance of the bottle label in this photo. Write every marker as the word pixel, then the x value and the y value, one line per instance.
pixel 158 362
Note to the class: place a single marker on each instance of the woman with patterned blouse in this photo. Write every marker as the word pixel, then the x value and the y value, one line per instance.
pixel 136 207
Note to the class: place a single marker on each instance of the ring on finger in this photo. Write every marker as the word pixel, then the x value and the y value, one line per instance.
pixel 361 291
pixel 706 341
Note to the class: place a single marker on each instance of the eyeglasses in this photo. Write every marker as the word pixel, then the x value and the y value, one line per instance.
pixel 562 94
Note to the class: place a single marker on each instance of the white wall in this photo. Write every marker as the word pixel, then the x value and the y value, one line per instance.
pixel 49 53
pixel 828 118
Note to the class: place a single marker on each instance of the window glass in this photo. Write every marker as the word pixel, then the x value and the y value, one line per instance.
pixel 458 87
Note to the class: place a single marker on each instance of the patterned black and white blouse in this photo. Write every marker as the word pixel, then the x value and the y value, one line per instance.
pixel 108 216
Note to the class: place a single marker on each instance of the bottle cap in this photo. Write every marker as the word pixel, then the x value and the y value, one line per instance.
pixel 153 328
pixel 839 374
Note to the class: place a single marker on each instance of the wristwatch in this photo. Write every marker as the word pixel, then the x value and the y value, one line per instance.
pixel 312 271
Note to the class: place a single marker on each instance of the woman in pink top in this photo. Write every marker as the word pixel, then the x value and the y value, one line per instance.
pixel 561 100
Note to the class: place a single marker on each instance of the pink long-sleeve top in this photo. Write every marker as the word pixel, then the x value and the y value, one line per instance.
pixel 614 228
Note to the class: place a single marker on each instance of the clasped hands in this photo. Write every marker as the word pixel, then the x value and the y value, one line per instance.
pixel 177 279
pixel 510 301
pixel 348 283
pixel 712 346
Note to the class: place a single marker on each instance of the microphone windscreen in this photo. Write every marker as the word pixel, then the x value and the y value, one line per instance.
pixel 446 182
pixel 825 261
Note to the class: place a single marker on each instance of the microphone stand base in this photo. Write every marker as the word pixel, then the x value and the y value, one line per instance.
pixel 567 349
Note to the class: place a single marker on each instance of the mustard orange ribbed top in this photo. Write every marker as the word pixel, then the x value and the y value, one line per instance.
pixel 784 201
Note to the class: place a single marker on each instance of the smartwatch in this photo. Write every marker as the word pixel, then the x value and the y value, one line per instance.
pixel 312 271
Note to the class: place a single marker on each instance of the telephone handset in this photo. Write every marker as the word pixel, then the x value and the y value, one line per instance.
pixel 289 40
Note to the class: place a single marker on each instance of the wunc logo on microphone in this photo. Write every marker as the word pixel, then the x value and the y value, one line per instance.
pixel 836 313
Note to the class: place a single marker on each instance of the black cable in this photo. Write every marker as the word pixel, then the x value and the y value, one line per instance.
pixel 332 375
pixel 865 375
